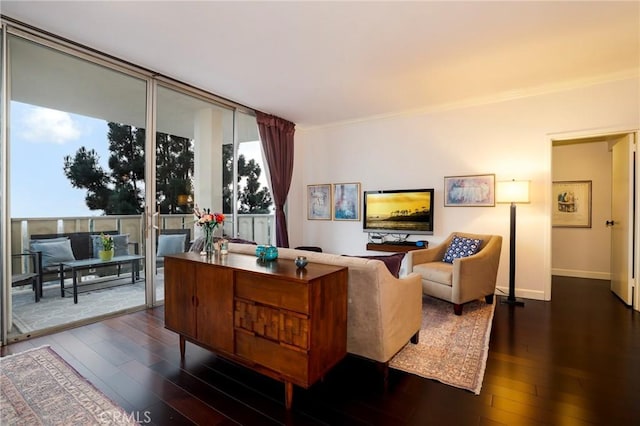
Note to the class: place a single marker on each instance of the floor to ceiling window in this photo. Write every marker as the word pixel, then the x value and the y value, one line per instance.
pixel 76 167
pixel 91 144
pixel 3 268
pixel 194 152
pixel 256 220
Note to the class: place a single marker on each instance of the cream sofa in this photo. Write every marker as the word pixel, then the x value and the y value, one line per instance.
pixel 383 312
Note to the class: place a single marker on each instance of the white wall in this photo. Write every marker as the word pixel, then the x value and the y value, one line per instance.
pixel 510 138
pixel 584 252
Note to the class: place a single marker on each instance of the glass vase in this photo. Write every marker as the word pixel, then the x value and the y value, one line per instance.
pixel 207 248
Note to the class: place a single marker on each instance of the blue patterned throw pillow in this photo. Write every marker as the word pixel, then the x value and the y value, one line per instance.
pixel 461 247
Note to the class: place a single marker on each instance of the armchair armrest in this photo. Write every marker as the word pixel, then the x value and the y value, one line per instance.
pixel 481 269
pixel 136 247
pixel 36 259
pixel 434 254
pixel 33 272
pixel 400 310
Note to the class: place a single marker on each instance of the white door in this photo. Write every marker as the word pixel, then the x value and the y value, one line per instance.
pixel 622 193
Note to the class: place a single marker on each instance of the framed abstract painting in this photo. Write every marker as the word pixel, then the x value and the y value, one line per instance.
pixel 470 191
pixel 346 201
pixel 319 202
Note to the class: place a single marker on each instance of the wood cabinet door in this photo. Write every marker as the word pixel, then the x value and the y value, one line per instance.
pixel 214 301
pixel 179 297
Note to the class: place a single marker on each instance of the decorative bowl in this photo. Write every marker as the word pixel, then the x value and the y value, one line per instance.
pixel 267 252
pixel 301 261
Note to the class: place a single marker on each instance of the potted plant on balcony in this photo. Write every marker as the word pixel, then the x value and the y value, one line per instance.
pixel 106 253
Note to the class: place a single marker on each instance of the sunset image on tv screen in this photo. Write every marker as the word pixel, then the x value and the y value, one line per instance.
pixel 399 211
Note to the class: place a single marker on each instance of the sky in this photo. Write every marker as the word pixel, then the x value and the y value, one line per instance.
pixel 40 138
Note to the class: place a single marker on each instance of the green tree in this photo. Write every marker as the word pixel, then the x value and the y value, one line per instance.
pixel 227 179
pixel 251 197
pixel 174 171
pixel 121 189
pixel 118 191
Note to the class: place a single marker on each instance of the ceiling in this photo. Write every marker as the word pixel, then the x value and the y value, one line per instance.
pixel 317 63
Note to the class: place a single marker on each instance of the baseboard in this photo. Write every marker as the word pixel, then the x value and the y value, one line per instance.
pixel 581 274
pixel 521 293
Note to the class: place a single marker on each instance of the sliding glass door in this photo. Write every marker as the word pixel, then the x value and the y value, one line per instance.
pixel 94 146
pixel 194 154
pixel 76 169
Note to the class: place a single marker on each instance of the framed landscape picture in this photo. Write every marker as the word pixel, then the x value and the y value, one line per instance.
pixel 319 202
pixel 571 204
pixel 470 191
pixel 346 201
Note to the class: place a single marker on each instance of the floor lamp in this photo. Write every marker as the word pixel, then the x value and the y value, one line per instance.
pixel 512 191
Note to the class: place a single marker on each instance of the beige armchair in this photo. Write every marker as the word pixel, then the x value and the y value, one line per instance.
pixel 467 279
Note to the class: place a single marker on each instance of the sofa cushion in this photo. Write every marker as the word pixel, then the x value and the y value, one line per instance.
pixel 439 272
pixel 120 244
pixel 81 242
pixel 461 247
pixel 198 244
pixel 241 241
pixel 170 244
pixel 392 261
pixel 54 251
pixel 45 240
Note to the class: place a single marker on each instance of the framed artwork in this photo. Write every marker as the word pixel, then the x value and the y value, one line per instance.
pixel 346 201
pixel 319 202
pixel 470 191
pixel 571 204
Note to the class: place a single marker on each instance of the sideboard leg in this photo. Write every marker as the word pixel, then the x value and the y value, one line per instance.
pixel 182 347
pixel 288 394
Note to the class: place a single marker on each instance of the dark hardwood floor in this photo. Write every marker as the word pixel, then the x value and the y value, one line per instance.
pixel 572 361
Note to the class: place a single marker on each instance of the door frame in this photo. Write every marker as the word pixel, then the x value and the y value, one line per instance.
pixel 598 133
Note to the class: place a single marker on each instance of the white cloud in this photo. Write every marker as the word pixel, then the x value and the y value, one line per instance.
pixel 45 125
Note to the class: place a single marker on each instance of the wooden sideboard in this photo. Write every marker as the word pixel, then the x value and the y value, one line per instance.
pixel 287 323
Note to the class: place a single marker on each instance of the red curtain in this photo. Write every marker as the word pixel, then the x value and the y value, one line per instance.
pixel 277 142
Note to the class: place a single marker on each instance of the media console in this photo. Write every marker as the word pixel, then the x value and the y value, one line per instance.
pixel 397 246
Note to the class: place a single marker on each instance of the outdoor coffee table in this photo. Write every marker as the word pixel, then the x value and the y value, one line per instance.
pixel 84 264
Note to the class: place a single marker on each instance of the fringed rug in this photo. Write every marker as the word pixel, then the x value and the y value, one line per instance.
pixel 37 387
pixel 452 349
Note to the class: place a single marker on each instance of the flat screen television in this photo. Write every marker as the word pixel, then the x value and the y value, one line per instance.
pixel 399 211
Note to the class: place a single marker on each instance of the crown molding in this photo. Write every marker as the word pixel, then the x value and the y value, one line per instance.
pixel 633 73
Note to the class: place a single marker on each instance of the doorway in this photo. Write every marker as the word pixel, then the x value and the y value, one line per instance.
pixel 585 247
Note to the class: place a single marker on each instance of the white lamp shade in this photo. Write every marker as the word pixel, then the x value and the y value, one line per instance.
pixel 512 191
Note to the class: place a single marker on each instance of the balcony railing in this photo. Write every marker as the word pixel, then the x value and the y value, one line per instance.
pixel 254 227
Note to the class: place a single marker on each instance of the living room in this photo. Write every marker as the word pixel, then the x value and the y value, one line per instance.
pixel 507 133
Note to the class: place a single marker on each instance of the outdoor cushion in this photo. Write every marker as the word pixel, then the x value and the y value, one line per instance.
pixel 54 251
pixel 170 244
pixel 120 244
pixel 45 240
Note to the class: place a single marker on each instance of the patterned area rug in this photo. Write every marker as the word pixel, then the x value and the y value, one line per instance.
pixel 37 387
pixel 453 349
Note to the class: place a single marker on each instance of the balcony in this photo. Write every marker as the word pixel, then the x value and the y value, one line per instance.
pixel 107 293
pixel 254 227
